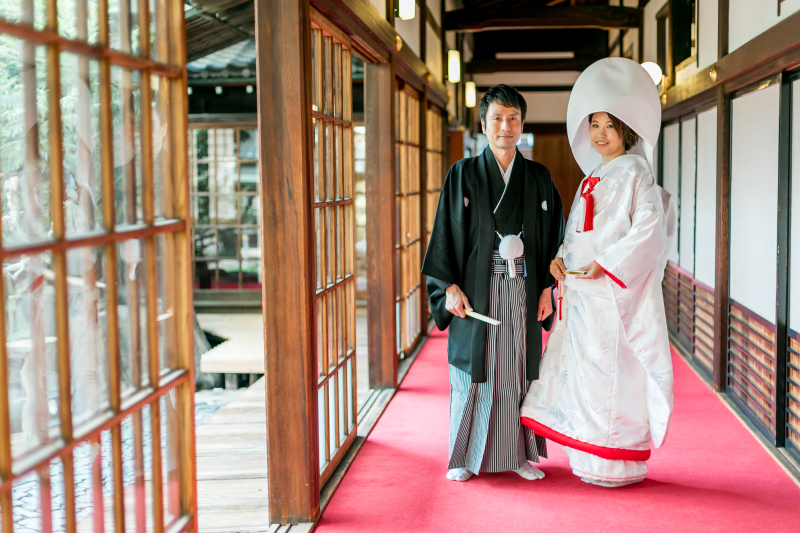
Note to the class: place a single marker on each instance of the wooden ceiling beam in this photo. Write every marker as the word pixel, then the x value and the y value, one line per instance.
pixel 585 16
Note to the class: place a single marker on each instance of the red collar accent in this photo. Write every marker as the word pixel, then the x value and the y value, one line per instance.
pixel 586 194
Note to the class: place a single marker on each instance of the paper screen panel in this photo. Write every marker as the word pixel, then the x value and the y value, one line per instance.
pixel 687 197
pixel 754 200
pixel 670 170
pixel 706 198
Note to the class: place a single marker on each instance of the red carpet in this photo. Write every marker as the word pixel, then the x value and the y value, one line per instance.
pixel 711 475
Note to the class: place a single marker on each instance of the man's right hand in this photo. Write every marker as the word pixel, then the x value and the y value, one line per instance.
pixel 557 268
pixel 457 301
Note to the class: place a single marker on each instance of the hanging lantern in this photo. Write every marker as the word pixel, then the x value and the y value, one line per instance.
pixel 469 97
pixel 453 66
pixel 407 9
pixel 654 70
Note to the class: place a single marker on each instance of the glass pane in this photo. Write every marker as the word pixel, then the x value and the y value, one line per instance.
pixel 127 118
pixel 319 223
pixel 205 274
pixel 330 253
pixel 319 185
pixel 249 210
pixel 202 179
pixel 248 144
pixel 329 162
pixel 162 173
pixel 226 177
pixel 165 289
pixel 251 259
pixel 225 144
pixel 89 505
pixel 228 242
pixel 200 144
pixel 227 209
pixel 80 118
pixel 123 22
pixel 319 304
pixel 338 163
pixel 31 345
pixel 205 242
pixel 132 315
pixel 24 143
pixel 332 434
pixel 321 416
pixel 77 19
pixel 205 210
pixel 137 461
pixel 88 321
pixel 343 427
pixel 170 456
pixel 27 497
pixel 248 177
pixel 351 391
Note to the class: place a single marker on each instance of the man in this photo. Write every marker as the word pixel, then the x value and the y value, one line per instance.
pixel 493 198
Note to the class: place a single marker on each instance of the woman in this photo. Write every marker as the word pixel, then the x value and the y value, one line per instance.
pixel 605 382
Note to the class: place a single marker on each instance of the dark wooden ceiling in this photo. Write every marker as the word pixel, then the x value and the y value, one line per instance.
pixel 212 25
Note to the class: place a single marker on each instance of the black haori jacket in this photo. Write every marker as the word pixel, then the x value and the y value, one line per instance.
pixel 461 245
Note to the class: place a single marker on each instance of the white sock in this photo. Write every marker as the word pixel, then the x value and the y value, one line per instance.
pixel 529 472
pixel 459 474
pixel 610 484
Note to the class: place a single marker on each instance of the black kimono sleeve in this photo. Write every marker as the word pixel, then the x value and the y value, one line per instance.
pixel 556 236
pixel 444 259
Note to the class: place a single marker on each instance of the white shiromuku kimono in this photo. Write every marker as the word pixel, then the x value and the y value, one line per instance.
pixel 605 383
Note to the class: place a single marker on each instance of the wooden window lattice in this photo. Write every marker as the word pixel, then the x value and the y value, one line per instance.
pixel 334 231
pixel 96 335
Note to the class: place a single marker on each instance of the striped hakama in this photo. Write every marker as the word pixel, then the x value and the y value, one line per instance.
pixel 485 430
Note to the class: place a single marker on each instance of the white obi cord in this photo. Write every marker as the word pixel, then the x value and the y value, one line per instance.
pixel 511 247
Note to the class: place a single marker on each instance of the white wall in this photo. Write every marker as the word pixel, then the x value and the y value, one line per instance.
pixel 546 106
pixel 688 177
pixel 408 30
pixel 670 168
pixel 436 10
pixel 527 78
pixel 754 200
pixel 707 32
pixel 794 245
pixel 705 234
pixel 433 53
pixel 650 29
pixel 749 18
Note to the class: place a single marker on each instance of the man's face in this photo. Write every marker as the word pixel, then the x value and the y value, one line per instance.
pixel 503 125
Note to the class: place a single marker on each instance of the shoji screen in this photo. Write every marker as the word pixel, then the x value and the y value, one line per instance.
pixel 706 198
pixel 670 169
pixel 754 200
pixel 688 178
pixel 753 249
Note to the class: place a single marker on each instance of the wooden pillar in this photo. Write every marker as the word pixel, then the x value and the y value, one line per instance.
pixel 722 261
pixel 283 70
pixel 379 121
pixel 782 289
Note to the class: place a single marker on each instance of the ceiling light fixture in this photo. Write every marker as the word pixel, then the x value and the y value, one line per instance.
pixel 469 96
pixel 407 9
pixel 654 70
pixel 453 66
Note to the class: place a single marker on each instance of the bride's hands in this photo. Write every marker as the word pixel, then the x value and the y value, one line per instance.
pixel 557 268
pixel 593 271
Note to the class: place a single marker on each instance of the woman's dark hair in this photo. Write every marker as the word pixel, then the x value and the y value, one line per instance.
pixel 504 95
pixel 629 137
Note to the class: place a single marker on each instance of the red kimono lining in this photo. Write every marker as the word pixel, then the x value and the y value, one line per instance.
pixel 614 454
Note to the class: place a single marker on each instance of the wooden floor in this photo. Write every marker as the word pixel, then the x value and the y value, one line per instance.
pixel 232 452
pixel 232 466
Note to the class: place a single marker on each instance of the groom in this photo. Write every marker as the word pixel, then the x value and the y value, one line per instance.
pixel 485 198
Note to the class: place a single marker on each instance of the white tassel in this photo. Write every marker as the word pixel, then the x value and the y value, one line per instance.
pixel 511 247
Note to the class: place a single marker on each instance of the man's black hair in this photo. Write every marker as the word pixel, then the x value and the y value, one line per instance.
pixel 504 95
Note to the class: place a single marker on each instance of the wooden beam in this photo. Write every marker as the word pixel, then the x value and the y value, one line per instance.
pixel 722 261
pixel 485 66
pixel 587 16
pixel 283 69
pixel 381 267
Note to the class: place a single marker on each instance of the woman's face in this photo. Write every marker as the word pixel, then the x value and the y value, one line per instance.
pixel 605 139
